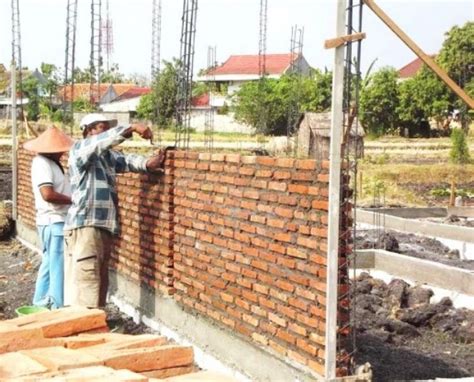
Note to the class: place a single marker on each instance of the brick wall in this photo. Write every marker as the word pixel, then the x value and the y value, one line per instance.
pixel 241 240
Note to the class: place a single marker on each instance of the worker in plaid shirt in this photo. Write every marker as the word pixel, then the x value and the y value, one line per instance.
pixel 92 218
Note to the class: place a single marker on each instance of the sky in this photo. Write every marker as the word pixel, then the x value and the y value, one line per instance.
pixel 232 26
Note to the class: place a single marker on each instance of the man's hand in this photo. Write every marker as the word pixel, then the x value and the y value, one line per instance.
pixel 157 161
pixel 142 130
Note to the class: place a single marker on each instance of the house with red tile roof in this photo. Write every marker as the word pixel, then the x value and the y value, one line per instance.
pixel 107 93
pixel 413 67
pixel 240 69
pixel 126 102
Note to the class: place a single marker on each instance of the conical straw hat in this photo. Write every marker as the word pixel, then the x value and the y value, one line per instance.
pixel 53 140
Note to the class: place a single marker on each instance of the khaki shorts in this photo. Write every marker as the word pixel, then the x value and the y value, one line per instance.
pixel 86 259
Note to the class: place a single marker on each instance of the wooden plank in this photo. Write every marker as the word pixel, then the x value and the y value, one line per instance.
pixel 338 41
pixel 146 359
pixel 422 55
pixel 14 365
pixel 59 358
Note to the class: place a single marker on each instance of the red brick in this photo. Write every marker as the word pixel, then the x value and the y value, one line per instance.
pixel 290 200
pixel 320 205
pixel 251 194
pixel 281 175
pixel 285 237
pixel 284 212
pixel 248 171
pixel 298 188
pixel 307 347
pixel 266 161
pixel 306 164
pixel 286 286
pixel 263 173
pixel 248 159
pixel 285 336
pixel 260 339
pixel 291 251
pixel 277 319
pixel 275 223
pixel 278 348
pixel 323 178
pixel 259 183
pixel 277 186
pixel 260 288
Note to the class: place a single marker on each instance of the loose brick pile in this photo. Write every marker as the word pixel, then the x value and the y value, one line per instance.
pixel 241 240
pixel 74 344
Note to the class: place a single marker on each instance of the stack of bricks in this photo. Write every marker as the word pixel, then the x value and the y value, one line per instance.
pixel 242 240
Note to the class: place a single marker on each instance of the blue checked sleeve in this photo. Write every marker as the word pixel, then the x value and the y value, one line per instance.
pixel 90 148
pixel 128 162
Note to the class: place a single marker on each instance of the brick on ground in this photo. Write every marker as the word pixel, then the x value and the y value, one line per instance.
pixel 128 342
pixel 91 373
pixel 60 358
pixel 15 365
pixel 146 359
pixel 170 372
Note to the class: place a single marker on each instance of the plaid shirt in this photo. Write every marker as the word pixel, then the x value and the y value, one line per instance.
pixel 92 170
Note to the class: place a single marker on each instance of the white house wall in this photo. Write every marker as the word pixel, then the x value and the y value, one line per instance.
pixel 126 105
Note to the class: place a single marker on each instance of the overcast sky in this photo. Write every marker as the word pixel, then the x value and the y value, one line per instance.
pixel 231 26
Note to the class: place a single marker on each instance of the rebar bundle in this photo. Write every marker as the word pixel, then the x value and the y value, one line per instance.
pixel 296 49
pixel 209 121
pixel 262 45
pixel 95 63
pixel 185 74
pixel 16 46
pixel 347 298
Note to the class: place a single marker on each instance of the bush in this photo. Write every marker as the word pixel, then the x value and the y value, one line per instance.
pixel 459 151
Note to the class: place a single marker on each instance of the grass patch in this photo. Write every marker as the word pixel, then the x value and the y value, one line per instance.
pixel 392 181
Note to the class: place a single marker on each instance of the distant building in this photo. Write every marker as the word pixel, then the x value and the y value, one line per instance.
pixel 314 133
pixel 412 68
pixel 107 92
pixel 240 69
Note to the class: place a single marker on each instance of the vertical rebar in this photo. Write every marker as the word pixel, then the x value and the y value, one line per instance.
pixel 185 73
pixel 209 121
pixel 296 52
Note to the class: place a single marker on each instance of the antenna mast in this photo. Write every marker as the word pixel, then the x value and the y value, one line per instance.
pixel 95 62
pixel 156 39
pixel 69 66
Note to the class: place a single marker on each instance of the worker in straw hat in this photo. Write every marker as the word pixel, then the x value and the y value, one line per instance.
pixel 52 193
pixel 92 220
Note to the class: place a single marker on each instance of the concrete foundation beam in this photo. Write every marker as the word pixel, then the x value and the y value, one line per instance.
pixel 419 270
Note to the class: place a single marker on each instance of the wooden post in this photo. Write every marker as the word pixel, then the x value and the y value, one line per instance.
pixel 452 197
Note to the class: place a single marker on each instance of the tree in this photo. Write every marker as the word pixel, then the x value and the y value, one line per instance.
pixel 112 76
pixel 457 58
pixel 460 150
pixel 422 98
pixel 51 74
pixel 271 99
pixel 379 102
pixel 30 87
pixel 160 105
